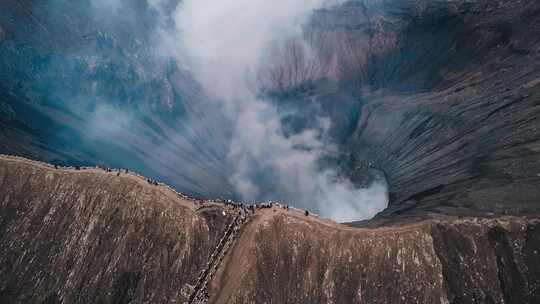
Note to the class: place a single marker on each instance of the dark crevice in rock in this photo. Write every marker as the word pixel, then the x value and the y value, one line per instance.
pixel 512 284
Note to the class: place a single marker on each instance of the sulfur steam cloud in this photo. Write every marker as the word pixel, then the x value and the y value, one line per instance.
pixel 210 70
pixel 226 45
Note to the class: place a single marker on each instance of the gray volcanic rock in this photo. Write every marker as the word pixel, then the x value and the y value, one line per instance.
pixel 463 147
pixel 450 109
pixel 84 85
pixel 442 99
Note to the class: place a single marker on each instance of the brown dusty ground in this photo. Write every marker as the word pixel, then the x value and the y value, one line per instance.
pixel 88 236
pixel 285 257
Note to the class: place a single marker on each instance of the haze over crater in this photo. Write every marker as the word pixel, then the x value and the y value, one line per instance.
pixel 233 56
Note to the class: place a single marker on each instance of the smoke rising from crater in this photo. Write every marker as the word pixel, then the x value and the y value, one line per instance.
pixel 96 79
pixel 208 122
pixel 225 46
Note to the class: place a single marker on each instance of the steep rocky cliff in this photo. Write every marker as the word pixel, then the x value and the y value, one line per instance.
pixel 452 116
pixel 91 236
pixel 447 101
pixel 285 257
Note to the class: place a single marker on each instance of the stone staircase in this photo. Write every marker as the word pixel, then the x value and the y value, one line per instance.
pixel 200 292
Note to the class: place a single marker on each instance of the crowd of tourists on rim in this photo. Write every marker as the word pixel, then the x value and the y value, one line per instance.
pixel 241 206
pixel 253 207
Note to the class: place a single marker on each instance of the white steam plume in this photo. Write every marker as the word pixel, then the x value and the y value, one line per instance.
pixel 224 44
